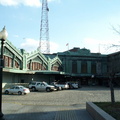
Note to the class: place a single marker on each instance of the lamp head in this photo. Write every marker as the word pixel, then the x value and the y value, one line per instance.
pixel 3 34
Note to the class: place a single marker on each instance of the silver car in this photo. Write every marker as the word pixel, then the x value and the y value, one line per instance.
pixel 17 90
pixel 43 86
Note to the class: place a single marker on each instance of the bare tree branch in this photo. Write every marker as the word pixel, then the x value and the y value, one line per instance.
pixel 117 31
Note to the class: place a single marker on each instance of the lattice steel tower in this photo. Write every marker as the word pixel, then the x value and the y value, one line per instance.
pixel 44 44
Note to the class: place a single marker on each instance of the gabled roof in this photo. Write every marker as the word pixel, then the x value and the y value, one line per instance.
pixel 53 58
pixel 35 54
pixel 75 49
pixel 79 52
pixel 13 49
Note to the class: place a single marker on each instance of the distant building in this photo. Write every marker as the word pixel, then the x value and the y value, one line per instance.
pixel 84 66
pixel 114 67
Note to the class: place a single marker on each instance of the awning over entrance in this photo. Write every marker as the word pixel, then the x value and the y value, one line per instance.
pixel 35 72
pixel 50 72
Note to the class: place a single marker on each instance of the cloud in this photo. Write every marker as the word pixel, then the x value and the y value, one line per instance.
pixel 31 44
pixel 103 46
pixel 54 0
pixel 31 3
pixel 8 2
pixel 53 47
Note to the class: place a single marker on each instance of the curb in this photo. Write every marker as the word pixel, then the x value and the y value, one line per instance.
pixel 97 113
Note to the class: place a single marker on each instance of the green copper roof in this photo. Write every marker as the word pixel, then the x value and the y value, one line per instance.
pixel 80 52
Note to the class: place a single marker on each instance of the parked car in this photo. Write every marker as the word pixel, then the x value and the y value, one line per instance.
pixel 75 85
pixel 33 84
pixel 56 87
pixel 43 86
pixel 63 85
pixel 72 85
pixel 17 90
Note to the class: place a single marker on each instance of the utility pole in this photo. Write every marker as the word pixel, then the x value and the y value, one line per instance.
pixel 44 45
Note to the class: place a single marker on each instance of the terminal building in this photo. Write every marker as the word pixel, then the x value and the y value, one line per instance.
pixel 22 67
pixel 84 66
pixel 74 65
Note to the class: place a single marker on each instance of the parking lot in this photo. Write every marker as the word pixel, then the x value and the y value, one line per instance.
pixel 49 104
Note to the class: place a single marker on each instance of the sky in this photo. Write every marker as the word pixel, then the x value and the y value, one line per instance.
pixel 76 23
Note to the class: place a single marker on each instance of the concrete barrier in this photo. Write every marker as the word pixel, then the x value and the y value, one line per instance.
pixel 97 113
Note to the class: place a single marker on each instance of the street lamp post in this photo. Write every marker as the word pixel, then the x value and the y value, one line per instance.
pixel 3 37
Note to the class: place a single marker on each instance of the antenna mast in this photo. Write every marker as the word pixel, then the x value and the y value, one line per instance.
pixel 44 44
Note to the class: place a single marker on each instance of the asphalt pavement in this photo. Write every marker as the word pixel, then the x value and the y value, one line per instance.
pixel 60 105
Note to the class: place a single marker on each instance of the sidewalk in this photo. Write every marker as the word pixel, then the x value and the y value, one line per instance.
pixel 32 112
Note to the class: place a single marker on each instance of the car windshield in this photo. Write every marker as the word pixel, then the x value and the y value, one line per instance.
pixel 32 83
pixel 53 83
pixel 45 83
pixel 21 87
pixel 12 87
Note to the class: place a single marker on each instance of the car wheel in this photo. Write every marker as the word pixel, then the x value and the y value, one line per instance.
pixel 19 93
pixel 6 92
pixel 48 89
pixel 60 88
pixel 33 89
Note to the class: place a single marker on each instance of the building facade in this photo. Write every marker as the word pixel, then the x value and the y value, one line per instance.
pixel 114 67
pixel 22 67
pixel 84 66
pixel 75 65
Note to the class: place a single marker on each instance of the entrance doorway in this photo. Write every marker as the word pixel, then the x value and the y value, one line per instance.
pixel 84 81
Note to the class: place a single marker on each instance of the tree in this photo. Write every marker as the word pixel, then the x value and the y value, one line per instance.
pixel 112 76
